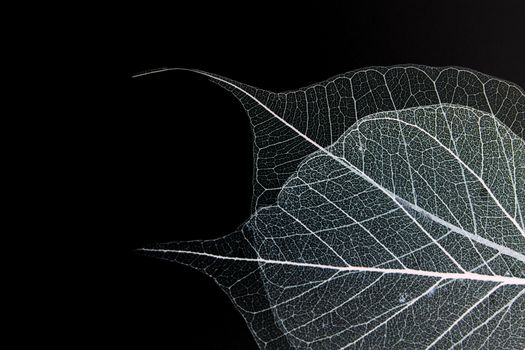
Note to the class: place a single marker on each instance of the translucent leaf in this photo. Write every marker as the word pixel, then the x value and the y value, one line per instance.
pixel 388 214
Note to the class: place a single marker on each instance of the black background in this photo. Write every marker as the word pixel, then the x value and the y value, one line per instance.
pixel 182 146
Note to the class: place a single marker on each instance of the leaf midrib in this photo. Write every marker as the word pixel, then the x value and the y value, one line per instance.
pixel 421 273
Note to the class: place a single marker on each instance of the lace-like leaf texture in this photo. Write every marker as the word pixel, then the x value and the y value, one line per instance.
pixel 388 213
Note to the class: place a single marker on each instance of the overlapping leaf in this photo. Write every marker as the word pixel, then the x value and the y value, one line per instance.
pixel 388 213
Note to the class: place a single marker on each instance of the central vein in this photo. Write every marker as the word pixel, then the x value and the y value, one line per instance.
pixel 443 275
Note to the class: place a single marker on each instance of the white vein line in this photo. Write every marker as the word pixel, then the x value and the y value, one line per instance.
pixel 404 141
pixel 507 307
pixel 357 222
pixel 412 302
pixel 315 235
pixel 473 215
pixel 335 277
pixel 503 308
pixel 356 116
pixel 337 228
pixel 479 239
pixel 361 324
pixel 328 109
pixel 471 270
pixel 512 220
pixel 450 212
pixel 307 112
pixel 435 195
pixel 435 274
pixel 279 143
pixel 337 307
pixel 482 149
pixel 315 287
pixel 518 206
pixel 469 310
pixel 404 308
pixel 500 139
pixel 415 250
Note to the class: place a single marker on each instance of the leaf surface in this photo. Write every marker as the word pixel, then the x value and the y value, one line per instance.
pixel 395 218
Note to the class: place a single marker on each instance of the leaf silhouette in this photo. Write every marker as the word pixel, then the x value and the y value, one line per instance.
pixel 388 213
